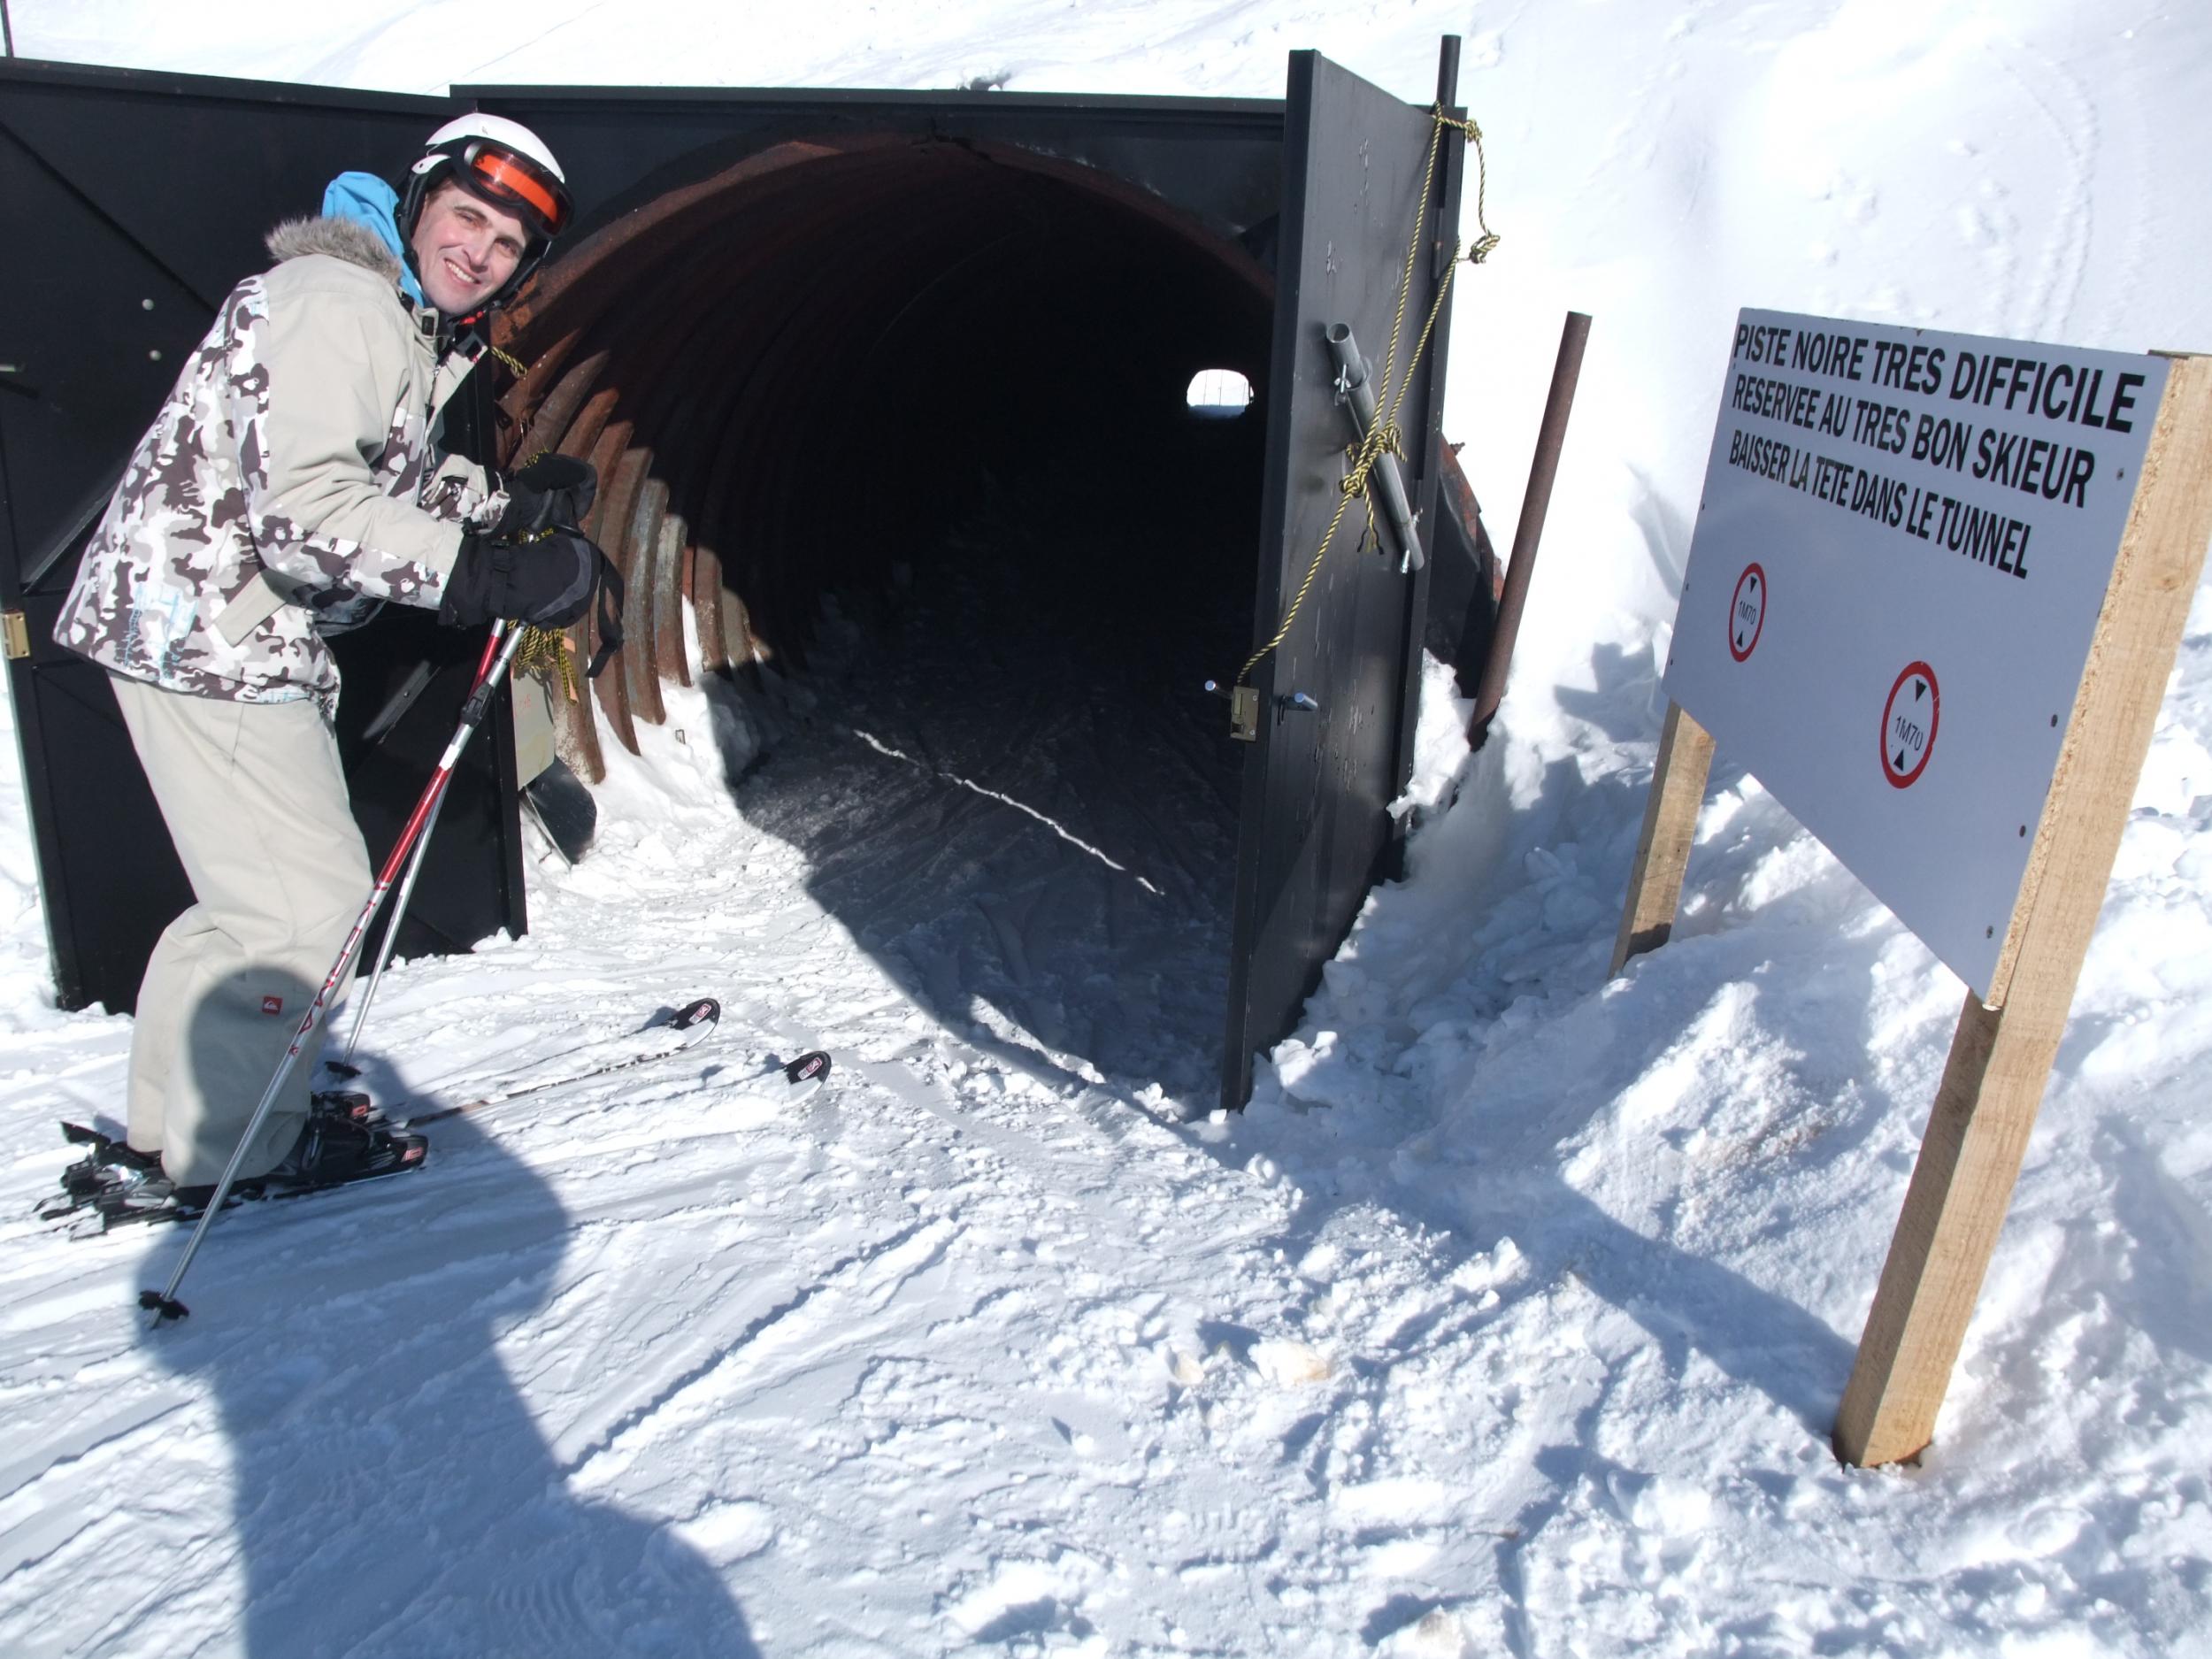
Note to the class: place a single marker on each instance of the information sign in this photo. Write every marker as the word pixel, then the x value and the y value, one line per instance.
pixel 1909 534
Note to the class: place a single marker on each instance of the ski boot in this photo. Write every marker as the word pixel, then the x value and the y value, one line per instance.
pixel 106 1161
pixel 114 1185
pixel 334 1149
pixel 108 1167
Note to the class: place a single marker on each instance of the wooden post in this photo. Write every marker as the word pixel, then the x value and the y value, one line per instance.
pixel 1662 851
pixel 2001 1057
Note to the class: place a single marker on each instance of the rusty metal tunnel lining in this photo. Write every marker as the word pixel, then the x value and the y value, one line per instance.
pixel 784 370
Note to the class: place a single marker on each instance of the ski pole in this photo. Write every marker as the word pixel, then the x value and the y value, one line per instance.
pixel 163 1304
pixel 414 868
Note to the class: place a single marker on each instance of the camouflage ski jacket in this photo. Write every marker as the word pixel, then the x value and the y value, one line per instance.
pixel 289 484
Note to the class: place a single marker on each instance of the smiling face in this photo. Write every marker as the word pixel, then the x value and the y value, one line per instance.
pixel 465 250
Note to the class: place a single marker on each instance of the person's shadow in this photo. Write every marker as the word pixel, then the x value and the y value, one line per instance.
pixel 392 1493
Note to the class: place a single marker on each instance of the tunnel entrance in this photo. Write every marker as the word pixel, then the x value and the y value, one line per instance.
pixel 827 361
pixel 925 359
pixel 944 384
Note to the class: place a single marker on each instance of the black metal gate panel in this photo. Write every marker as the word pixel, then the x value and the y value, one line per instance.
pixel 1315 833
pixel 133 202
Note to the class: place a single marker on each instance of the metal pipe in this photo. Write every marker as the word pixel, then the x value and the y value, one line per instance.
pixel 1446 245
pixel 1354 387
pixel 1543 470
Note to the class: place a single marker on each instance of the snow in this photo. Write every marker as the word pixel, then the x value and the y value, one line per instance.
pixel 1512 1317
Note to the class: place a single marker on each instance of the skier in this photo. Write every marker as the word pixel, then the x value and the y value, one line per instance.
pixel 292 481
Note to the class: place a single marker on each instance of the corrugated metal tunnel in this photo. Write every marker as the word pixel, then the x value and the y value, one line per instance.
pixel 829 358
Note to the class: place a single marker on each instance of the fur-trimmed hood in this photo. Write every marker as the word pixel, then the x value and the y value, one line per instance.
pixel 340 238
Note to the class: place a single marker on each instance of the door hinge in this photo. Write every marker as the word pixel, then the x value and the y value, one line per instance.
pixel 19 635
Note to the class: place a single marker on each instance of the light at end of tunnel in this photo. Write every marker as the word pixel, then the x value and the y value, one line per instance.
pixel 1219 394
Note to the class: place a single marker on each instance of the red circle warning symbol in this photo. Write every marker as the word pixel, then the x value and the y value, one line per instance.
pixel 1908 724
pixel 1746 613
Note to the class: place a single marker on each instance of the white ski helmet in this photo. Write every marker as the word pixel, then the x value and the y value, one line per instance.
pixel 500 162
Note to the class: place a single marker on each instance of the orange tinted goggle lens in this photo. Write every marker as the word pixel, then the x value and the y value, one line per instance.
pixel 525 184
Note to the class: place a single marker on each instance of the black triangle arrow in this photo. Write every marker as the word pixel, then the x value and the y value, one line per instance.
pixel 1899 762
pixel 1919 689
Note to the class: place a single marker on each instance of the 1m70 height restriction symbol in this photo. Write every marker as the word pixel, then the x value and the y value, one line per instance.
pixel 1908 724
pixel 1746 613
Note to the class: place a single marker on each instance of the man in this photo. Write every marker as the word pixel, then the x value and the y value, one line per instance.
pixel 292 482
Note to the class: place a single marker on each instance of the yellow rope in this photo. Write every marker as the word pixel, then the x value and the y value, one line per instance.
pixel 1383 437
pixel 1390 421
pixel 1413 252
pixel 1291 616
pixel 546 647
pixel 1489 239
pixel 515 365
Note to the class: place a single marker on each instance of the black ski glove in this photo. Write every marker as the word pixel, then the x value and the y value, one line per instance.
pixel 548 581
pixel 554 491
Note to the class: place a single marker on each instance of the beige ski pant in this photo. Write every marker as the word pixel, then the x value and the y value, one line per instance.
pixel 256 805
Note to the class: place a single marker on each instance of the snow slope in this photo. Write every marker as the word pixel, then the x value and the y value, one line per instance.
pixel 1512 1317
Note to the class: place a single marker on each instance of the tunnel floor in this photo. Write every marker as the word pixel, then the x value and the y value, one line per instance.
pixel 1004 781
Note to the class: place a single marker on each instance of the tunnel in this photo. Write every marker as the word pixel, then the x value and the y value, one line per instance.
pixel 942 384
pixel 830 363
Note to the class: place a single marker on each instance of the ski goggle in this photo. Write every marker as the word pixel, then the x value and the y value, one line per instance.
pixel 507 178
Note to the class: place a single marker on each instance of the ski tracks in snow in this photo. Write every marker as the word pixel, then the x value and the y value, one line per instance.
pixel 979 1344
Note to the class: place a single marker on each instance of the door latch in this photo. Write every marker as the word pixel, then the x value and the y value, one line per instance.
pixel 1244 709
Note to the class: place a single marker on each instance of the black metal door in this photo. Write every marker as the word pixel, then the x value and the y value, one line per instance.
pixel 133 202
pixel 1315 832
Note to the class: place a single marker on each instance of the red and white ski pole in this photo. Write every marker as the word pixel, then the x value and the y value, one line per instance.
pixel 499 652
pixel 407 886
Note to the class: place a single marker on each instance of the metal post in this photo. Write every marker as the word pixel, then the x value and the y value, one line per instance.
pixel 1550 438
pixel 1355 379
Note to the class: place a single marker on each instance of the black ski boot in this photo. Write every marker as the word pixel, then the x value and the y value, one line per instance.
pixel 113 1185
pixel 109 1168
pixel 332 1150
pixel 105 1161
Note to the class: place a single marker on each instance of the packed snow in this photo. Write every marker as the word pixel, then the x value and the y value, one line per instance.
pixel 1512 1317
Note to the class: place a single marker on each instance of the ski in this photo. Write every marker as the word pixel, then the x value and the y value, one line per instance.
pixel 130 1190
pixel 659 1038
pixel 112 1186
pixel 686 1028
pixel 149 1204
